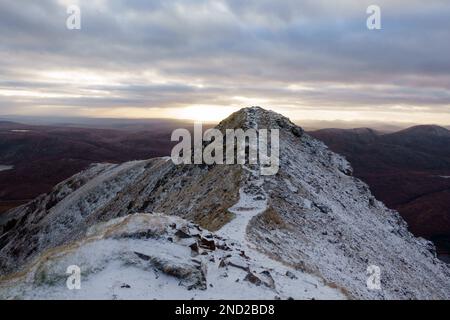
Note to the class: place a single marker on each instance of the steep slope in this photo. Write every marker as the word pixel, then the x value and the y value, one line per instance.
pixel 406 170
pixel 313 216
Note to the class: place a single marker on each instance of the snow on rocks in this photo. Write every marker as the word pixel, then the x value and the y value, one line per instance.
pixel 151 256
pixel 332 226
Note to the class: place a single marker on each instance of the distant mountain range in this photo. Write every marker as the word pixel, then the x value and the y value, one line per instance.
pixel 143 124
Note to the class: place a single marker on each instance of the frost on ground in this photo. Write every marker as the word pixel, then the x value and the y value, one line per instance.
pixel 146 256
pixel 301 233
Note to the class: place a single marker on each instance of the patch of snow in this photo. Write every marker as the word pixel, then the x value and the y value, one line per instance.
pixel 6 168
pixel 290 186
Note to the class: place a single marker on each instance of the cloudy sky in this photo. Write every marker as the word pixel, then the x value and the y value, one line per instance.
pixel 202 59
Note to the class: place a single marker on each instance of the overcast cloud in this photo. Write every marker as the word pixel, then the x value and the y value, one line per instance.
pixel 306 58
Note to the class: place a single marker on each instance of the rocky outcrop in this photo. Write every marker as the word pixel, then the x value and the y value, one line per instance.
pixel 148 256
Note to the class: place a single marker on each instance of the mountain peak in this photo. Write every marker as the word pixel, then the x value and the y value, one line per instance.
pixel 429 130
pixel 259 118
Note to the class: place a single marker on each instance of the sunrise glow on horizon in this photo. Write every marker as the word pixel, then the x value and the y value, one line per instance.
pixel 163 63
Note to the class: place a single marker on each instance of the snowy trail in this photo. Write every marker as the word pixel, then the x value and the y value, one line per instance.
pixel 289 282
pixel 245 210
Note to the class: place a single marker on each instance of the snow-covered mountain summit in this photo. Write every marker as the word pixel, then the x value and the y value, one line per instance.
pixel 310 231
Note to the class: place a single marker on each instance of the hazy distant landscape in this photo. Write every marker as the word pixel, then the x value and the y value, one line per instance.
pixel 43 156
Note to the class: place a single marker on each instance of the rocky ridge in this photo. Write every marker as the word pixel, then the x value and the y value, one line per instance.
pixel 312 217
